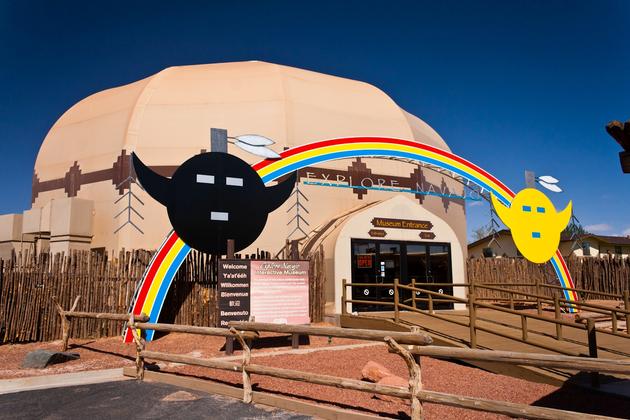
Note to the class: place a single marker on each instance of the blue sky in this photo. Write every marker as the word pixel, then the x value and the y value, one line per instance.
pixel 509 85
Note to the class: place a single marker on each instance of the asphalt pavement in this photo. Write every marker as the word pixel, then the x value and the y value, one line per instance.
pixel 130 400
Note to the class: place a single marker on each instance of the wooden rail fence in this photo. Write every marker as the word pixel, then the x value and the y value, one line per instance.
pixel 473 303
pixel 414 392
pixel 107 283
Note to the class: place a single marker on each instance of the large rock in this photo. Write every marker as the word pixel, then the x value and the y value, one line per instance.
pixel 374 372
pixel 393 380
pixel 39 359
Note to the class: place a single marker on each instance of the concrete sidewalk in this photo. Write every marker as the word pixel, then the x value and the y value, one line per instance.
pixel 31 383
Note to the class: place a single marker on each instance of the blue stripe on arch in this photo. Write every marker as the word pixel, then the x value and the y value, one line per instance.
pixel 164 286
pixel 378 153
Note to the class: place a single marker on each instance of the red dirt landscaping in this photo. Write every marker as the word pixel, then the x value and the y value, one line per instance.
pixel 436 375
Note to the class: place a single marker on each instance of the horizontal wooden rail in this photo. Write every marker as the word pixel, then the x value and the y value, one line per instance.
pixel 583 364
pixel 478 404
pixel 370 284
pixel 506 284
pixel 598 308
pixel 98 315
pixel 431 292
pixel 417 339
pixel 369 302
pixel 441 284
pixel 593 292
pixel 190 329
pixel 191 360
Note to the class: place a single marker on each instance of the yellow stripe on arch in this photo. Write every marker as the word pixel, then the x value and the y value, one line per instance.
pixel 159 276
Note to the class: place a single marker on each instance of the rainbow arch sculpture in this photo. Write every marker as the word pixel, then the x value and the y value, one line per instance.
pixel 159 275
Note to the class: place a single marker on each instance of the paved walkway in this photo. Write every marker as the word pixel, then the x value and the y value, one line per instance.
pixel 130 400
pixel 31 383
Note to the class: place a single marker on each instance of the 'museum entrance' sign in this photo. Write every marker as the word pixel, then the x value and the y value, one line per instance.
pixel 382 222
pixel 280 291
pixel 234 291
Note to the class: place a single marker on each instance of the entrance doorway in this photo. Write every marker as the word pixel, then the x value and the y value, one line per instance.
pixel 377 262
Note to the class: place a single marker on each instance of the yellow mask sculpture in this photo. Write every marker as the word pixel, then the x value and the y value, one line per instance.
pixel 534 222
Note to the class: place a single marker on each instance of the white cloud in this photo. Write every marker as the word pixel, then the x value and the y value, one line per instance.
pixel 626 232
pixel 598 228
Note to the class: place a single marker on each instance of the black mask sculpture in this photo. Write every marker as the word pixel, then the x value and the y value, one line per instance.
pixel 213 197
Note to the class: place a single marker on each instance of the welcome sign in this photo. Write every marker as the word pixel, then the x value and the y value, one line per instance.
pixel 274 291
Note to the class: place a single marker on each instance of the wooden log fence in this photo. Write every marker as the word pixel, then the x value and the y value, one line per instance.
pixel 107 282
pixel 413 392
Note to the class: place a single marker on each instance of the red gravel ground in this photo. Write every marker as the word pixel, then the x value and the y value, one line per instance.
pixel 436 375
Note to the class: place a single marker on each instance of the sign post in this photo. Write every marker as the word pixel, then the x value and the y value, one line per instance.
pixel 234 291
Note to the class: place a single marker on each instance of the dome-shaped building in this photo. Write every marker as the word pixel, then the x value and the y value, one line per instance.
pixel 80 181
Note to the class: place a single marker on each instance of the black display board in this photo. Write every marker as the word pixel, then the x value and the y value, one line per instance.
pixel 234 291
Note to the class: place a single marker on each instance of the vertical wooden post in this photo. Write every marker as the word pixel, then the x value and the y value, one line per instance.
pixel 430 303
pixel 556 304
pixel 472 319
pixel 511 301
pixel 140 344
pixel 344 297
pixel 415 376
pixel 65 322
pixel 614 320
pixel 396 310
pixel 295 341
pixel 413 293
pixel 230 249
pixel 626 306
pixel 538 303
pixel 524 326
pixel 592 348
pixel 247 379
pixel 229 346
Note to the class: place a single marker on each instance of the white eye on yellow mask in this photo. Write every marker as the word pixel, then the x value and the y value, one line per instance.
pixel 534 222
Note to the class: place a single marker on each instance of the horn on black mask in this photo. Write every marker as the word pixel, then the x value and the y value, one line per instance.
pixel 156 185
pixel 278 194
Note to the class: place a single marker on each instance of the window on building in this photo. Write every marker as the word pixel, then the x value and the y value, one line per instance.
pixel 488 252
pixel 586 249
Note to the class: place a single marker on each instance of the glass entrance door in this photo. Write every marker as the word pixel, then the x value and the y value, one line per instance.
pixel 377 262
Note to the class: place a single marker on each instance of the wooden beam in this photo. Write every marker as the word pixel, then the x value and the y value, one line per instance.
pixel 421 339
pixel 220 332
pixel 190 360
pixel 101 315
pixel 527 359
pixel 479 404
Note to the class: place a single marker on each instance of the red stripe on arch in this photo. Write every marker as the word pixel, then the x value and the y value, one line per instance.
pixel 148 280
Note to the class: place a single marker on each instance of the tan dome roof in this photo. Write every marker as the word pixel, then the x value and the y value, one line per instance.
pixel 167 117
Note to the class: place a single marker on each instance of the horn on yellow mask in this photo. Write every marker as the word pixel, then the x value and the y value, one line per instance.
pixel 562 217
pixel 503 211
